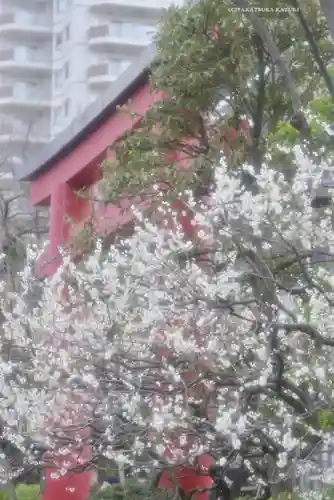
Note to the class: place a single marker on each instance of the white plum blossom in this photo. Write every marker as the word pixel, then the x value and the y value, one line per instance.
pixel 229 354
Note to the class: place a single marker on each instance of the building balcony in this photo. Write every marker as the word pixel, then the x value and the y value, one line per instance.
pixel 16 97
pixel 141 9
pixel 23 134
pixel 99 75
pixel 102 74
pixel 125 38
pixel 25 25
pixel 20 61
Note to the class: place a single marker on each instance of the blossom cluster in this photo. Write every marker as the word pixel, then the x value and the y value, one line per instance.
pixel 143 340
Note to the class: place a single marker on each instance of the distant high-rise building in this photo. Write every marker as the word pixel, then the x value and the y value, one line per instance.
pixel 56 57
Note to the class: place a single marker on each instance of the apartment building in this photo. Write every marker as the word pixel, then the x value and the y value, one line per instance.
pixel 58 56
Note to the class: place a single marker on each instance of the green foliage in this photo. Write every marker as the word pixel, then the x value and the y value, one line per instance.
pixel 323 108
pixel 23 492
pixel 328 493
pixel 28 492
pixel 323 492
pixel 288 495
pixel 330 71
pixel 133 490
pixel 326 418
pixel 208 53
pixel 285 134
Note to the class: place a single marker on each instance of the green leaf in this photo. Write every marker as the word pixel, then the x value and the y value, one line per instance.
pixel 324 108
pixel 330 71
pixel 326 418
pixel 286 134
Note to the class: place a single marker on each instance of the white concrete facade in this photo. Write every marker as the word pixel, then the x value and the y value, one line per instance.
pixel 56 57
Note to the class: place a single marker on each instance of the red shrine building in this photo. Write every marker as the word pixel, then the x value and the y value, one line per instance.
pixel 69 163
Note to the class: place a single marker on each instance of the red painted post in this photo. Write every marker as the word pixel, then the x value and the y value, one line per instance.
pixel 74 168
pixel 60 202
pixel 71 486
pixel 56 485
pixel 194 478
pixel 191 479
pixel 188 478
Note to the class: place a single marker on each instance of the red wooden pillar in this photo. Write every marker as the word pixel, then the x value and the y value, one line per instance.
pixel 190 479
pixel 194 478
pixel 61 199
pixel 59 484
pixel 56 485
pixel 60 205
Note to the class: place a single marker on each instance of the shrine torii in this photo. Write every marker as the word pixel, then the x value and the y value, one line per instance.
pixel 69 163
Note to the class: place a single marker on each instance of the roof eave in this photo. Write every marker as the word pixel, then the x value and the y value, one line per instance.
pixel 117 94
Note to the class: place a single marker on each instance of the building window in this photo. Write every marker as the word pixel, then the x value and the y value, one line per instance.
pixel 58 79
pixel 61 112
pixel 131 30
pixel 58 115
pixel 142 31
pixel 24 90
pixel 28 53
pixel 61 75
pixel 115 67
pixel 61 5
pixel 59 40
pixel 67 105
pixel 66 71
pixel 68 32
pixel 117 28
